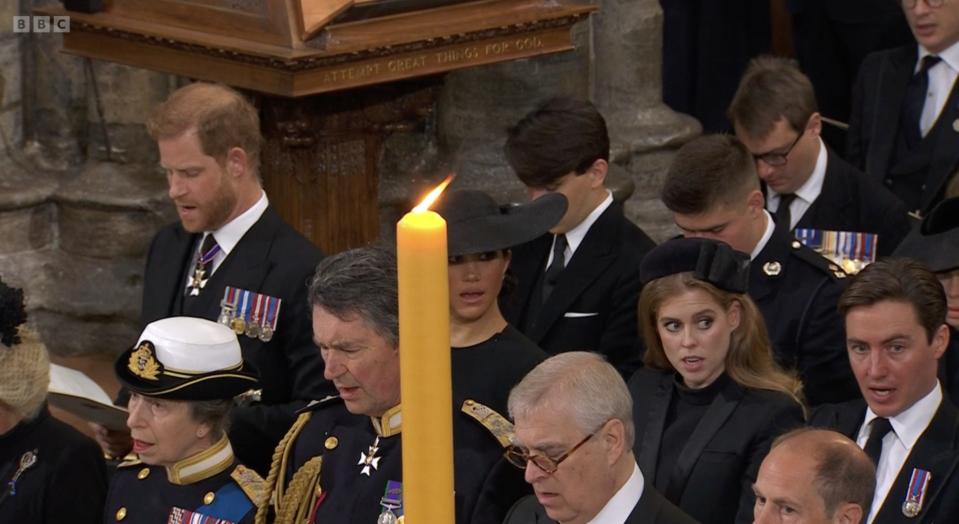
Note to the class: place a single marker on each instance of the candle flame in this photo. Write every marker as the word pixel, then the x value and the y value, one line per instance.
pixel 428 200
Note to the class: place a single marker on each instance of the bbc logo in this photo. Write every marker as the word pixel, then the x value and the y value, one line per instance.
pixel 41 24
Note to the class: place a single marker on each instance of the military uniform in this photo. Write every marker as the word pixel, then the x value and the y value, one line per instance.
pixel 337 467
pixel 797 290
pixel 209 484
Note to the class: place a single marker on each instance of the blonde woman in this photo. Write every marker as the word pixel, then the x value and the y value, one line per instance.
pixel 711 398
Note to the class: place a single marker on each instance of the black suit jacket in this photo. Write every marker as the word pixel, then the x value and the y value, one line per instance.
pixel 796 290
pixel 593 305
pixel 713 478
pixel 936 451
pixel 652 508
pixel 851 201
pixel 874 122
pixel 271 259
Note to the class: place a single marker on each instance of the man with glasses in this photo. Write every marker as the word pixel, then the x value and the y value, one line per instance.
pixel 574 439
pixel 904 126
pixel 713 192
pixel 807 185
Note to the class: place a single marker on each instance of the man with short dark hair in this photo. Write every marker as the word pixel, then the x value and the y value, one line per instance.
pixel 577 286
pixel 775 115
pixel 895 312
pixel 814 476
pixel 905 108
pixel 713 192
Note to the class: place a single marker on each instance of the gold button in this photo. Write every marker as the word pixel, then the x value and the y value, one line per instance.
pixel 469 402
pixel 331 443
pixel 121 513
pixel 144 473
pixel 796 244
pixel 208 498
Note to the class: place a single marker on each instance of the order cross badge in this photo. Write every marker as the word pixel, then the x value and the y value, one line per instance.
pixel 369 460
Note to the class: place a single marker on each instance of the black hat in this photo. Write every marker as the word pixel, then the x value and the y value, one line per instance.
pixel 709 260
pixel 935 242
pixel 475 224
pixel 185 358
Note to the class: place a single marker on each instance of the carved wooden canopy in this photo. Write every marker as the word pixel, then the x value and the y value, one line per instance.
pixel 295 48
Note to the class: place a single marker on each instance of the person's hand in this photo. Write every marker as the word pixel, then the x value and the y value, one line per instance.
pixel 115 443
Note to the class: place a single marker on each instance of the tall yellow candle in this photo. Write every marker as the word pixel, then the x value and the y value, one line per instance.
pixel 425 383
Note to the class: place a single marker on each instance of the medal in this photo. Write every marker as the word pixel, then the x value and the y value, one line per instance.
pixel 270 317
pixel 918 484
pixel 369 459
pixel 253 325
pixel 27 460
pixel 392 504
pixel 266 333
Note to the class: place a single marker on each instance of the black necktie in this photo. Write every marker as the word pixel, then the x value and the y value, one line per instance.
pixel 204 265
pixel 914 101
pixel 782 212
pixel 555 267
pixel 878 429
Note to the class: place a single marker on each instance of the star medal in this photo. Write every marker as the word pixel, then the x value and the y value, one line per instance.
pixel 369 459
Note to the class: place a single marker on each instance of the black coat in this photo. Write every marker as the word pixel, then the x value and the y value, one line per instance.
pixel 874 125
pixel 712 480
pixel 67 483
pixel 271 259
pixel 936 451
pixel 652 508
pixel 852 201
pixel 949 367
pixel 593 305
pixel 796 290
pixel 486 485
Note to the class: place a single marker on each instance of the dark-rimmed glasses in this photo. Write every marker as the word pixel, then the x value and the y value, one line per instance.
pixel 520 457
pixel 934 4
pixel 778 159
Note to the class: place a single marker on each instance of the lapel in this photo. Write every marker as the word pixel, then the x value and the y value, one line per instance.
pixel 647 508
pixel 593 256
pixel 245 267
pixel 946 154
pixel 835 197
pixel 528 262
pixel 894 76
pixel 171 277
pixel 935 452
pixel 775 252
pixel 653 434
pixel 719 411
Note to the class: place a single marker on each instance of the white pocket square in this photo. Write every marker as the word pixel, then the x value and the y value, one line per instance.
pixel 573 314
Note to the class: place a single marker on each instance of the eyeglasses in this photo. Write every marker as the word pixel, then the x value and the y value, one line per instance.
pixel 934 4
pixel 520 457
pixel 778 159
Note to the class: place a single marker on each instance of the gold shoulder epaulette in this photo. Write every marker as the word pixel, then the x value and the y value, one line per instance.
pixel 129 463
pixel 251 483
pixel 497 424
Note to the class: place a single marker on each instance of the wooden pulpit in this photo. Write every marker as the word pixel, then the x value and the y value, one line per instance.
pixel 332 78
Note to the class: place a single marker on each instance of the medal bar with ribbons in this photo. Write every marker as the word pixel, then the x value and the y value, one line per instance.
pixel 851 250
pixel 249 313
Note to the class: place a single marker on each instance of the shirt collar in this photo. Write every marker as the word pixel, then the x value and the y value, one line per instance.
pixel 912 422
pixel 229 235
pixel 389 423
pixel 770 227
pixel 949 55
pixel 203 465
pixel 812 187
pixel 575 236
pixel 618 508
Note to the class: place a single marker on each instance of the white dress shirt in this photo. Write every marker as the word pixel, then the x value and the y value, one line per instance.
pixel 229 235
pixel 575 236
pixel 618 508
pixel 941 78
pixel 807 193
pixel 907 427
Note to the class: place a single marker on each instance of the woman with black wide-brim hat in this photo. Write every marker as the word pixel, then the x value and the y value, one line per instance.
pixel 489 355
pixel 182 375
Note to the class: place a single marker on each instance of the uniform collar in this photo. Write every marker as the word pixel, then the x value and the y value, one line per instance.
pixel 205 464
pixel 767 234
pixel 390 423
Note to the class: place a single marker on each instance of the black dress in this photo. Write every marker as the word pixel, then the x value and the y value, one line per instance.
pixel 486 372
pixel 66 482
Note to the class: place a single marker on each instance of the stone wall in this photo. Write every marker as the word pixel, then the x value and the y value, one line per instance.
pixel 82 194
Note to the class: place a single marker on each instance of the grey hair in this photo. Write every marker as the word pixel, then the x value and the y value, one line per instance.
pixel 584 384
pixel 360 282
pixel 216 413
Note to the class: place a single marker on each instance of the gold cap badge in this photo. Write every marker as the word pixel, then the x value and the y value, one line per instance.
pixel 142 362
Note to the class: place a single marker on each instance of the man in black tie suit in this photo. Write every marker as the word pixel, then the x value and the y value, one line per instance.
pixel 904 126
pixel 895 313
pixel 807 185
pixel 228 236
pixel 578 286
pixel 574 439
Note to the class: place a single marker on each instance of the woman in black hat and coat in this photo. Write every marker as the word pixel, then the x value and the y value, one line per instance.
pixel 711 398
pixel 182 376
pixel 489 355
